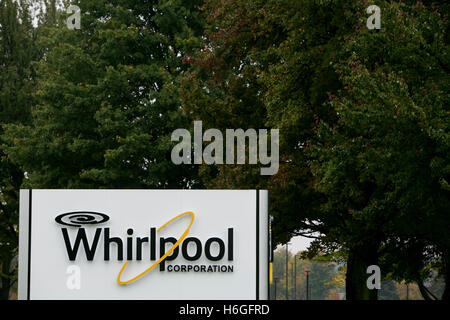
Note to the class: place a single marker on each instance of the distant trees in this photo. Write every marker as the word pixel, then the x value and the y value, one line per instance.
pixel 321 285
pixel 327 280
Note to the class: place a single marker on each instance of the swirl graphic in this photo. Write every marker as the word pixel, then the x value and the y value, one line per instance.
pixel 80 218
pixel 176 244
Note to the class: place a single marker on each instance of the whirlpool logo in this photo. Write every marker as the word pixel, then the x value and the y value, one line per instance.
pixel 145 247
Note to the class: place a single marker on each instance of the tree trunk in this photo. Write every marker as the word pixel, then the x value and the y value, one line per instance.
pixel 6 282
pixel 359 259
pixel 446 293
pixel 426 294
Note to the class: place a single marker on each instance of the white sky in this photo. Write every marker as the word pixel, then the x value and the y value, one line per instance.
pixel 298 243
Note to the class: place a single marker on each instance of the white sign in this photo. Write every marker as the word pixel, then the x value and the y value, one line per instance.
pixel 143 244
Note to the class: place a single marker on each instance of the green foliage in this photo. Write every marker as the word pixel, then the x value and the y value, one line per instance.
pixel 363 115
pixel 108 98
pixel 17 51
pixel 363 118
pixel 90 108
pixel 381 164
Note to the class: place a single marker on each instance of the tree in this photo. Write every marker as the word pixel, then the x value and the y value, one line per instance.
pixel 107 98
pixel 273 60
pixel 379 170
pixel 304 67
pixel 17 78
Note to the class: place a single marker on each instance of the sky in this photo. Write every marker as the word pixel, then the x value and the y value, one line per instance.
pixel 298 243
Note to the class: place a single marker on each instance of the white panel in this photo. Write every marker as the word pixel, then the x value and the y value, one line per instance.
pixel 215 211
pixel 263 244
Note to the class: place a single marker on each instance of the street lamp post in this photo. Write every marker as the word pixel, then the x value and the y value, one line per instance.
pixel 275 293
pixel 287 270
pixel 295 277
pixel 307 284
pixel 407 291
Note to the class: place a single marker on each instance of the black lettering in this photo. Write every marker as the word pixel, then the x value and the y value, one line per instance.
pixel 208 249
pixel 139 242
pixel 230 244
pixel 81 237
pixel 107 243
pixel 152 244
pixel 162 251
pixel 184 249
pixel 130 245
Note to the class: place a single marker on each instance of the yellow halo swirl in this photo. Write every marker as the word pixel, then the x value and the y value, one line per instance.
pixel 165 255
